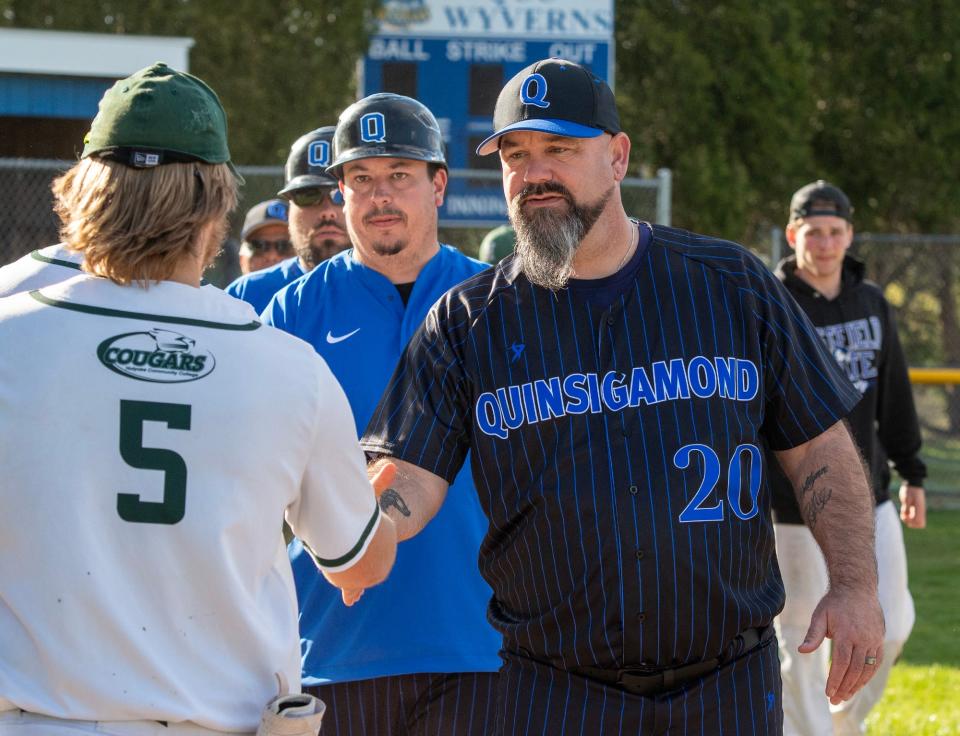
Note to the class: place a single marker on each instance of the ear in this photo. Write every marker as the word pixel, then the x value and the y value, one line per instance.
pixel 619 149
pixel 439 186
pixel 791 233
pixel 850 235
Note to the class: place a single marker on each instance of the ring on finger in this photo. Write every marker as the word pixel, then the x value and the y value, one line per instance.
pixel 870 660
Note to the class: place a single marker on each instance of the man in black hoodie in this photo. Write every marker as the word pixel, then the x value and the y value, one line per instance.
pixel 856 323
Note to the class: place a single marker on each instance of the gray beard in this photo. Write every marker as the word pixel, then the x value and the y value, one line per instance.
pixel 547 240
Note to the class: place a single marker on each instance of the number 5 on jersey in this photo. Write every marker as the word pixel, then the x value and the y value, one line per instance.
pixel 132 416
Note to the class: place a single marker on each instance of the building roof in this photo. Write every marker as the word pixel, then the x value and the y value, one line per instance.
pixel 111 55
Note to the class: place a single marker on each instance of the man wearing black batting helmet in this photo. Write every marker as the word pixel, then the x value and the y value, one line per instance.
pixel 615 383
pixel 315 219
pixel 416 656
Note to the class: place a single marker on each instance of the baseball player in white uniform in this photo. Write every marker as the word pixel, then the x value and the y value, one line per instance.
pixel 144 583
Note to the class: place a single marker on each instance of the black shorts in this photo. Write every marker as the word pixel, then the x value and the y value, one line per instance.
pixel 460 704
pixel 742 698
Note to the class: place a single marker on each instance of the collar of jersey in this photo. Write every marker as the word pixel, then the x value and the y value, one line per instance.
pixel 58 255
pixel 378 278
pixel 73 294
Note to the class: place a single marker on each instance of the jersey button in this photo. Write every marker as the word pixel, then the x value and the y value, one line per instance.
pixel 611 319
pixel 633 490
pixel 639 554
pixel 641 617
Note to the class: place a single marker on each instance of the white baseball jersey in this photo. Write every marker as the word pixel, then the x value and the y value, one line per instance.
pixel 43 267
pixel 154 440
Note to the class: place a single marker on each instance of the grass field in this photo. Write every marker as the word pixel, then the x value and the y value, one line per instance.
pixel 941 448
pixel 923 695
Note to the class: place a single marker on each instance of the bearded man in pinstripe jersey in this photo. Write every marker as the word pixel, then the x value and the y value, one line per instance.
pixel 616 383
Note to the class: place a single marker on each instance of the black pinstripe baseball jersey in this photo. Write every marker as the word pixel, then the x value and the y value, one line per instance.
pixel 618 453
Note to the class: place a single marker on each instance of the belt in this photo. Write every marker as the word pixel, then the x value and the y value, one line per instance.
pixel 651 681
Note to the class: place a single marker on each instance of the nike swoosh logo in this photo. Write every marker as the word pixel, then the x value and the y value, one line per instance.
pixel 334 340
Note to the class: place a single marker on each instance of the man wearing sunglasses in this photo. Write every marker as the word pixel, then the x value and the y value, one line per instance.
pixel 266 239
pixel 431 670
pixel 315 220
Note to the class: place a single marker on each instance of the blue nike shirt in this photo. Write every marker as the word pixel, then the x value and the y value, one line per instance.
pixel 430 614
pixel 256 288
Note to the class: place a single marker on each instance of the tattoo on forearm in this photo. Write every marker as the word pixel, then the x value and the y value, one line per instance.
pixel 808 483
pixel 391 498
pixel 817 503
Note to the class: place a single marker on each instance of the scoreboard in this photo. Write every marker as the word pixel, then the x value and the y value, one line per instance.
pixel 455 56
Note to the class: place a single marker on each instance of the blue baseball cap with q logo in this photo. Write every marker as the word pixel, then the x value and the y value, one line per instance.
pixel 554 96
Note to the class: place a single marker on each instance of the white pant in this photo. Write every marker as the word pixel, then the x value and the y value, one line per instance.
pixel 806 709
pixel 20 723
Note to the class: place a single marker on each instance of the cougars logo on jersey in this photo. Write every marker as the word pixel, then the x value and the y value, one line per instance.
pixel 157 356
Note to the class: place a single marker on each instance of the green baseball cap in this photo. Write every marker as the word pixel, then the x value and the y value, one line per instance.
pixel 497 244
pixel 157 116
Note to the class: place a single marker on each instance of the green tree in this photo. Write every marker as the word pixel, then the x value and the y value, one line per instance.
pixel 886 92
pixel 280 68
pixel 748 102
pixel 712 90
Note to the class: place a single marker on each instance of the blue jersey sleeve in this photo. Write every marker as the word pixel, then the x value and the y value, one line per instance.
pixel 234 288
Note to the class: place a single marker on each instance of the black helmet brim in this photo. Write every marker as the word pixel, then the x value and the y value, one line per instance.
pixel 307 181
pixel 413 153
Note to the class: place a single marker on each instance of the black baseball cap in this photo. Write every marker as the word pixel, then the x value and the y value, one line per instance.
pixel 554 96
pixel 820 198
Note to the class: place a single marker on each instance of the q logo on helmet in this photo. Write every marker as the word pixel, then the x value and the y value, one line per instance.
pixel 373 128
pixel 539 93
pixel 318 153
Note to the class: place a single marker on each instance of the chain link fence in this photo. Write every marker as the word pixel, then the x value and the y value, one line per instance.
pixel 920 276
pixel 474 205
pixel 27 221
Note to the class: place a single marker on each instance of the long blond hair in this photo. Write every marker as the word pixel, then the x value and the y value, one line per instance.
pixel 138 224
